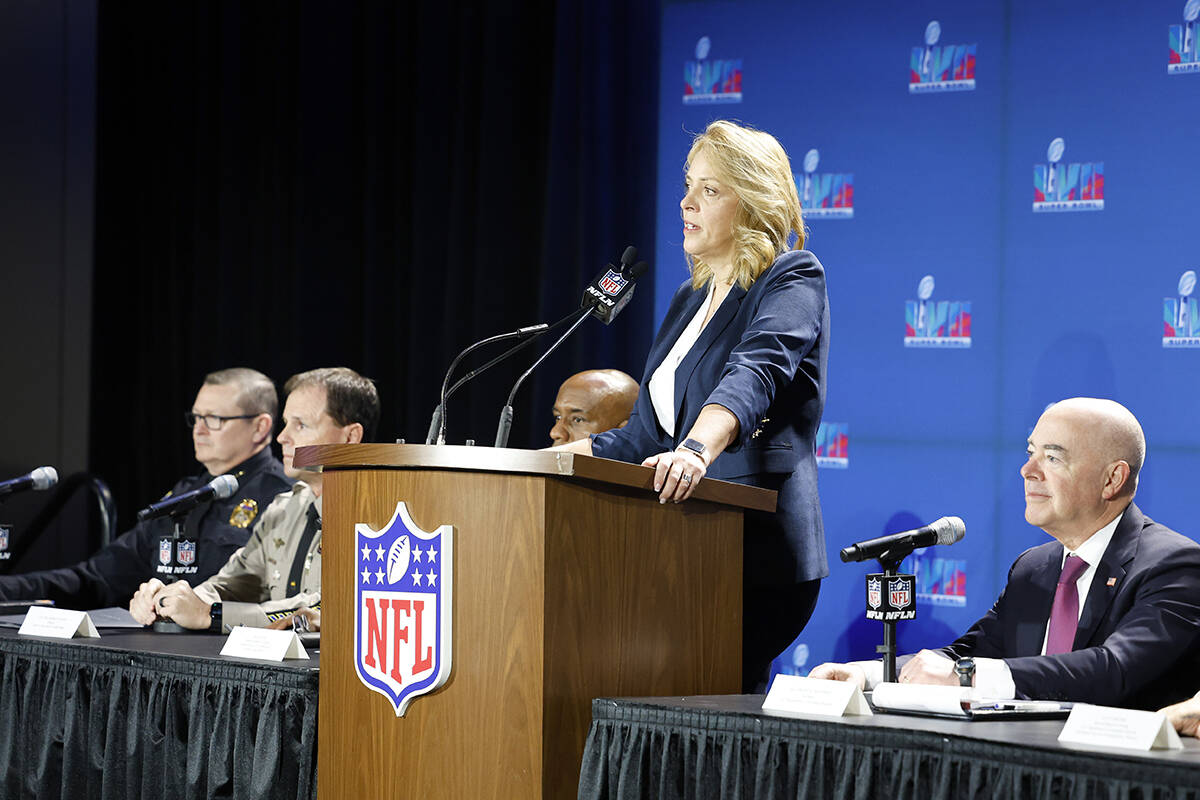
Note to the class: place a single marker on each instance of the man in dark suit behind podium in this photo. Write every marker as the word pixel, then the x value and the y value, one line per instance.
pixel 1134 640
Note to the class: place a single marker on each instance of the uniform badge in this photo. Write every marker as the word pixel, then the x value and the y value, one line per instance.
pixel 186 553
pixel 244 513
pixel 402 608
pixel 164 551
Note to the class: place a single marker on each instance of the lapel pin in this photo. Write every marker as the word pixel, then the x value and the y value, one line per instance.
pixel 1111 582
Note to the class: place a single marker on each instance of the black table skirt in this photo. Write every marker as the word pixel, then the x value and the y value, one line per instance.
pixel 724 747
pixel 108 719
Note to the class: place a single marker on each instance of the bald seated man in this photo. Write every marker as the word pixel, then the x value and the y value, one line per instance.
pixel 592 402
pixel 1109 612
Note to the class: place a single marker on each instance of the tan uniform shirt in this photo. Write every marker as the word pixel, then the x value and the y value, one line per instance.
pixel 253 584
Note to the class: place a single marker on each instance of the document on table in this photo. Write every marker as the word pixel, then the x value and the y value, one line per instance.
pixel 960 702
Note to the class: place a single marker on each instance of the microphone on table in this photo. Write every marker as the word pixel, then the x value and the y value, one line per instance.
pixel 37 480
pixel 219 488
pixel 946 530
pixel 603 298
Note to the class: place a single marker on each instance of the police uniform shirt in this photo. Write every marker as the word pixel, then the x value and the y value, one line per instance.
pixel 279 569
pixel 112 575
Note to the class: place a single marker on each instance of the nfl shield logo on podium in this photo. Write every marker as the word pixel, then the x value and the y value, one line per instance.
pixel 402 607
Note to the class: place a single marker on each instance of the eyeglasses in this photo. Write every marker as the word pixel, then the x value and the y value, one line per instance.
pixel 211 421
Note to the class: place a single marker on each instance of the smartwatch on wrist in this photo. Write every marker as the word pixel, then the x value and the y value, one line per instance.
pixel 215 618
pixel 695 446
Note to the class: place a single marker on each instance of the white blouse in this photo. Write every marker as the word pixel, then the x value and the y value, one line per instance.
pixel 662 382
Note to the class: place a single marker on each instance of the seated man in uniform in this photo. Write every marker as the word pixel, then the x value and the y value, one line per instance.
pixel 1109 613
pixel 278 572
pixel 592 402
pixel 231 423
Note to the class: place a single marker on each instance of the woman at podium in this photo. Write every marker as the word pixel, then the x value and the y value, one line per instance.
pixel 734 383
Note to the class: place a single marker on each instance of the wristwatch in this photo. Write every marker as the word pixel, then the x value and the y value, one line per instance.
pixel 965 667
pixel 215 618
pixel 695 446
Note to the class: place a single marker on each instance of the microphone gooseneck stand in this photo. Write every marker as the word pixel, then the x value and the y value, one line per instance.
pixel 506 413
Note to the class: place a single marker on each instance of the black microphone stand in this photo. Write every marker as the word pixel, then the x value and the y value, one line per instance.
pixel 890 563
pixel 164 625
pixel 506 413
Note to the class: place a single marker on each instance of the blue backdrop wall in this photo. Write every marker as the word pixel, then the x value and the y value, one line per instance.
pixel 1006 197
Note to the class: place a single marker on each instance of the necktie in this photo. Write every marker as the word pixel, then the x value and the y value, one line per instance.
pixel 298 561
pixel 1064 614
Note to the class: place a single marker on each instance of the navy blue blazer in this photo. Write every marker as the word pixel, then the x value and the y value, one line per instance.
pixel 1137 643
pixel 763 356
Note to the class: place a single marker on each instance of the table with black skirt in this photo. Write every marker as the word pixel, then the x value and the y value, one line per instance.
pixel 725 747
pixel 139 714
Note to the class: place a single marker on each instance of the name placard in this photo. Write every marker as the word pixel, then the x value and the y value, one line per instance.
pixel 795 696
pixel 58 623
pixel 1124 728
pixel 263 644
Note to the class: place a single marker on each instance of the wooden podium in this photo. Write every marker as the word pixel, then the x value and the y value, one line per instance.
pixel 571 582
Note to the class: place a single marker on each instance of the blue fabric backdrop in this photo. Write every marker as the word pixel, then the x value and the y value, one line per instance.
pixel 926 138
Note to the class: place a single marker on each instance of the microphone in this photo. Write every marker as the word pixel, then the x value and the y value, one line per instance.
pixel 946 530
pixel 41 478
pixel 603 298
pixel 612 289
pixel 220 487
pixel 437 422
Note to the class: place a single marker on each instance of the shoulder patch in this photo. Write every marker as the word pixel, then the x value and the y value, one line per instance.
pixel 244 513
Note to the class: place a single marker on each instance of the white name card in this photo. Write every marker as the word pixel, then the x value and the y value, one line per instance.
pixel 58 623
pixel 1102 726
pixel 794 696
pixel 263 644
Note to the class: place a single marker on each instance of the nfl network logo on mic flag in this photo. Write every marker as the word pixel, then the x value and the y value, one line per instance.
pixel 827 195
pixel 948 68
pixel 1181 324
pixel 1067 187
pixel 402 602
pixel 711 81
pixel 833 445
pixel 942 323
pixel 612 283
pixel 1181 39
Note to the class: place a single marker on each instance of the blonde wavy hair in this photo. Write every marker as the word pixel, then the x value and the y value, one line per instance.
pixel 754 165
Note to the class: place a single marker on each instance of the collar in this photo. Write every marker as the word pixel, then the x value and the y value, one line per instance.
pixel 1092 550
pixel 255 463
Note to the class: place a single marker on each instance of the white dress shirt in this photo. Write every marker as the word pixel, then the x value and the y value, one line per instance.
pixel 662 382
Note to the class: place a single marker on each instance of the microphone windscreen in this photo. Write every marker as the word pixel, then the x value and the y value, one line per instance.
pixel 223 486
pixel 950 530
pixel 638 270
pixel 628 256
pixel 44 478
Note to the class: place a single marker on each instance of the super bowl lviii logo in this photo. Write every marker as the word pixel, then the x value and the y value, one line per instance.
pixel 711 80
pixel 1183 57
pixel 1067 187
pixel 833 445
pixel 402 602
pixel 940 581
pixel 936 323
pixel 1181 324
pixel 941 68
pixel 828 195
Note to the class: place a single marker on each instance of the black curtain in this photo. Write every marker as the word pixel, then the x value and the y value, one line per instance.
pixel 372 184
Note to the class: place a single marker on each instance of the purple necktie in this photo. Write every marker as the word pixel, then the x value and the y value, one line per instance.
pixel 1064 614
